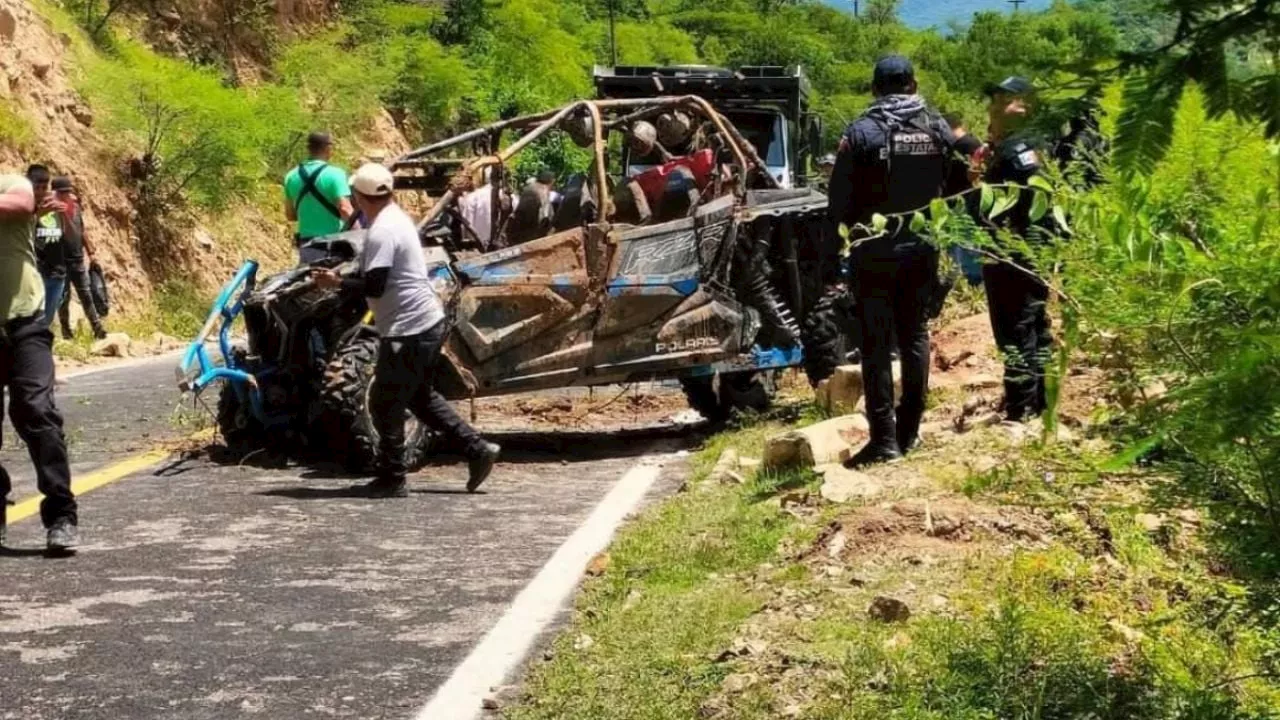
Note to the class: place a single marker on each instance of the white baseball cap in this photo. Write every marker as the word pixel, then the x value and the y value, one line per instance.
pixel 373 180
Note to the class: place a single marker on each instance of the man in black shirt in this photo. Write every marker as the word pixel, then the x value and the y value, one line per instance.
pixel 1016 297
pixel 78 253
pixel 896 158
pixel 50 254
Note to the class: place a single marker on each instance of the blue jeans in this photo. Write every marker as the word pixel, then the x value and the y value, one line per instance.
pixel 54 287
pixel 969 262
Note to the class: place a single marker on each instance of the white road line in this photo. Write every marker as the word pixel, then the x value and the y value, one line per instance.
pixel 508 642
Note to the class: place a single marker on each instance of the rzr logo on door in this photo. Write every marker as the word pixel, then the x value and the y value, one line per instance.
pixel 686 345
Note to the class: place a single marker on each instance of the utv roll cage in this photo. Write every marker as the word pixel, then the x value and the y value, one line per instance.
pixel 783 89
pixel 438 167
pixel 751 86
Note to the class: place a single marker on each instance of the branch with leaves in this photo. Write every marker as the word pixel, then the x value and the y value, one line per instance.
pixel 994 202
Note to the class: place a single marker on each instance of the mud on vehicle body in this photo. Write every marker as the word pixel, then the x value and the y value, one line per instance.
pixel 707 280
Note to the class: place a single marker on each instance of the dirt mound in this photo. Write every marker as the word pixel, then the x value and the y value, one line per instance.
pixel 604 409
pixel 948 526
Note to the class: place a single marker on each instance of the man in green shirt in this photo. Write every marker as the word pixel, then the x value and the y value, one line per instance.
pixel 26 364
pixel 316 194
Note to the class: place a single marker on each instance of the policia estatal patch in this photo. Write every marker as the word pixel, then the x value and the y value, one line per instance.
pixel 915 143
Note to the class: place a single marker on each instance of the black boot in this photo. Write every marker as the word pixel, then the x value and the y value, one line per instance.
pixel 908 431
pixel 874 453
pixel 387 487
pixel 482 458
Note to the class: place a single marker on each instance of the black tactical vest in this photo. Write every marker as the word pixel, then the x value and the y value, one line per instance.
pixel 913 162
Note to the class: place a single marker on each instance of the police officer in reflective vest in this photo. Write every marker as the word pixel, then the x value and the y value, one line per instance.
pixel 894 159
pixel 1016 297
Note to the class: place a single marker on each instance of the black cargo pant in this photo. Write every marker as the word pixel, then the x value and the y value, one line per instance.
pixel 26 371
pixel 404 379
pixel 1018 303
pixel 894 287
pixel 78 279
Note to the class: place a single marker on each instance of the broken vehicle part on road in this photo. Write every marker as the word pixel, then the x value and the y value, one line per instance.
pixel 701 270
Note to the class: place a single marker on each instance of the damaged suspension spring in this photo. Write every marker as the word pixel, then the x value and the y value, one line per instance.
pixel 757 291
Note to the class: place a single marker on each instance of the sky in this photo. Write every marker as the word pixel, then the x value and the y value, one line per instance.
pixel 926 13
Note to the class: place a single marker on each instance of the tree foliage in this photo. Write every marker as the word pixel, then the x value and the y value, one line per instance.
pixel 1231 49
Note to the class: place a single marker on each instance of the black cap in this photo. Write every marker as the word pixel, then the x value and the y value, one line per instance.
pixel 1013 85
pixel 893 72
pixel 61 183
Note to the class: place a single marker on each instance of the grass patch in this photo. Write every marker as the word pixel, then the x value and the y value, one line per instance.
pixel 1054 635
pixel 1098 616
pixel 670 601
pixel 16 130
pixel 77 348
pixel 178 308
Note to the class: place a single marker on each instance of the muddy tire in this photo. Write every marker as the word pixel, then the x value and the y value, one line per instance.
pixel 352 438
pixel 717 398
pixel 702 396
pixel 240 431
pixel 748 391
pixel 827 344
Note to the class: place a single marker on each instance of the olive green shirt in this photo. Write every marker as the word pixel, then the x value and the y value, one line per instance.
pixel 21 288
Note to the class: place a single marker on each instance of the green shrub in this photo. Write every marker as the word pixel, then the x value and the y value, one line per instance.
pixel 432 84
pixel 334 81
pixel 1176 270
pixel 178 308
pixel 193 137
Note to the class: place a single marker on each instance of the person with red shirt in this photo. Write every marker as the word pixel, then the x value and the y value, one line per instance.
pixel 78 252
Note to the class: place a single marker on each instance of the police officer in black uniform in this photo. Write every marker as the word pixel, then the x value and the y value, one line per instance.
pixel 1016 297
pixel 894 159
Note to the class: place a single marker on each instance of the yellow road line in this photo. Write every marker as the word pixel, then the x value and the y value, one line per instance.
pixel 92 481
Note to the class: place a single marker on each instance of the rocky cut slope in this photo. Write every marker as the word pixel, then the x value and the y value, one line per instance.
pixel 45 61
pixel 46 120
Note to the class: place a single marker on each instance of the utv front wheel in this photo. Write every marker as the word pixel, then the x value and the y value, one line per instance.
pixel 240 431
pixel 717 397
pixel 353 440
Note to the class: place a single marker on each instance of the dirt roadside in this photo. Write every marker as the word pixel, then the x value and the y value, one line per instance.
pixel 998 569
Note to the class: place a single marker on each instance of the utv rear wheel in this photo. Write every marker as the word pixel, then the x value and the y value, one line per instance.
pixel 716 398
pixel 826 338
pixel 702 396
pixel 353 440
pixel 748 391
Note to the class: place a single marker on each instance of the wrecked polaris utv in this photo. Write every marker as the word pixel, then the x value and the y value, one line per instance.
pixel 700 270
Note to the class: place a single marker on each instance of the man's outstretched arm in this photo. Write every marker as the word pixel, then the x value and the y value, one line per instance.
pixel 18 202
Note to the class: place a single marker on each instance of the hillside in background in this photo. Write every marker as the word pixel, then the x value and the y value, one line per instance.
pixel 938 13
pixel 179 118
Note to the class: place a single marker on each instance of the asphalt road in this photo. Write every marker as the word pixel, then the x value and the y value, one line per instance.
pixel 227 591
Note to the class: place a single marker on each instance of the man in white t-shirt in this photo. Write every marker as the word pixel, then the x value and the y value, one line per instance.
pixel 476 207
pixel 409 316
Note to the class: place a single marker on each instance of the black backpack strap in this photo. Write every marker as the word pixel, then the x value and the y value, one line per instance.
pixel 309 188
